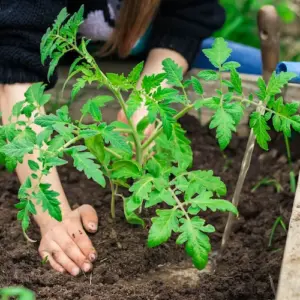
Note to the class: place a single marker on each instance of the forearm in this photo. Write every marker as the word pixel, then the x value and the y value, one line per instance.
pixel 9 95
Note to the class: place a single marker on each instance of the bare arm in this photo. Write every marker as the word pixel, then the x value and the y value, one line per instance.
pixel 62 243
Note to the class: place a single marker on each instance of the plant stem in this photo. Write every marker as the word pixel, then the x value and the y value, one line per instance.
pixel 137 142
pixel 289 157
pixel 159 129
pixel 180 205
pixel 113 200
pixel 115 154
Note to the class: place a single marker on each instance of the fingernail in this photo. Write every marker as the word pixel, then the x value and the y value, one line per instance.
pixel 92 257
pixel 92 226
pixel 75 271
pixel 86 267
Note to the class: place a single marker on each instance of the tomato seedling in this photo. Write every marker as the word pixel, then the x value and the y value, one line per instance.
pixel 155 171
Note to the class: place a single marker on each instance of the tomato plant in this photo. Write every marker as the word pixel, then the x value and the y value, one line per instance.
pixel 155 170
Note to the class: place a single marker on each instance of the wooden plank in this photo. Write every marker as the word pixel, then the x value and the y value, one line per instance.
pixel 289 282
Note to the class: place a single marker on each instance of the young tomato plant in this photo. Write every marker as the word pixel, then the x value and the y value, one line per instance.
pixel 156 170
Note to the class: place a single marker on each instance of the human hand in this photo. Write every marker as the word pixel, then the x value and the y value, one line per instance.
pixel 65 245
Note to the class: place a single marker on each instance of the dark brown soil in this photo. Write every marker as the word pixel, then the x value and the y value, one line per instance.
pixel 127 269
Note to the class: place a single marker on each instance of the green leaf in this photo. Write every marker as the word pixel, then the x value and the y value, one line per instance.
pixel 197 243
pixel 236 81
pixel 167 118
pixel 46 120
pixel 125 169
pixel 18 148
pixel 95 145
pixel 10 163
pixel 119 81
pixel 53 63
pixel 230 65
pixel 35 94
pixel 55 161
pixel 17 108
pixel 219 52
pixel 197 86
pixel 204 201
pixel 99 101
pixel 260 129
pixel 142 187
pixel 162 226
pixel 153 167
pixel 43 136
pixel 48 199
pixel 262 93
pixel 133 203
pixel 205 179
pixel 24 187
pixel 174 73
pixel 131 217
pixel 80 84
pixel 84 161
pixel 115 139
pixel 65 131
pixel 87 133
pixel 25 208
pixel 56 143
pixel 133 103
pixel 225 125
pixel 208 75
pixel 135 74
pixel 153 81
pixel 33 165
pixel 159 197
pixel 277 82
pixel 167 94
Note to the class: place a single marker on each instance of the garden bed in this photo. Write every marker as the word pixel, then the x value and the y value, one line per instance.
pixel 127 269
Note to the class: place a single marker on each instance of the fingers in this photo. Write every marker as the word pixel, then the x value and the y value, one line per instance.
pixel 81 239
pixel 46 256
pixel 89 218
pixel 73 252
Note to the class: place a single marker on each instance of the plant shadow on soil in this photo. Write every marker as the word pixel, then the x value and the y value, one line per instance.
pixel 127 269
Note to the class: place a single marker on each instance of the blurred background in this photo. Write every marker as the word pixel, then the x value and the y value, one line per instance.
pixel 241 25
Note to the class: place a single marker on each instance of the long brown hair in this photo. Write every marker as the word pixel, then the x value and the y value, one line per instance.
pixel 135 17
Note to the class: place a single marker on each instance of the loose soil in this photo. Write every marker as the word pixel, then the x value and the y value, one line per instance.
pixel 127 269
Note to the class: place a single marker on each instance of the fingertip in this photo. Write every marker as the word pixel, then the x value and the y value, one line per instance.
pixel 89 218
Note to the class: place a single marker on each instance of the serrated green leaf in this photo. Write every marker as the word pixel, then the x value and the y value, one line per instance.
pixel 56 143
pixel 230 65
pixel 49 201
pixel 162 226
pixel 142 187
pixel 197 86
pixel 87 133
pixel 260 129
pixel 46 120
pixel 174 73
pixel 208 75
pixel 131 217
pixel 166 94
pixel 33 165
pixel 225 125
pixel 17 108
pixel 65 131
pixel 204 201
pixel 135 74
pixel 99 101
pixel 159 197
pixel 219 52
pixel 153 81
pixel 10 163
pixel 95 145
pixel 115 139
pixel 197 243
pixel 80 84
pixel 24 187
pixel 204 179
pixel 236 81
pixel 43 136
pixel 133 103
pixel 262 93
pixel 17 148
pixel 35 94
pixel 125 169
pixel 55 162
pixel 84 161
pixel 119 81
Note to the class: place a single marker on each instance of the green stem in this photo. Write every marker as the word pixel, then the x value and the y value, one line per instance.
pixel 137 142
pixel 113 200
pixel 289 157
pixel 180 205
pixel 115 154
pixel 159 129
